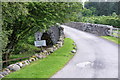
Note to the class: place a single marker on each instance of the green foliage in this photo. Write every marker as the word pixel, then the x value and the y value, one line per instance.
pixel 107 20
pixel 113 39
pixel 47 67
pixel 20 20
pixel 87 12
pixel 13 14
pixel 26 46
pixel 114 14
pixel 104 8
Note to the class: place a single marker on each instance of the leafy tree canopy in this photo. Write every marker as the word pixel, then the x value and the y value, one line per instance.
pixel 23 19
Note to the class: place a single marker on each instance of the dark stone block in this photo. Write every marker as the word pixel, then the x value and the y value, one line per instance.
pixel 52 35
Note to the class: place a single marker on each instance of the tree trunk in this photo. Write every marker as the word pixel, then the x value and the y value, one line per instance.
pixel 6 56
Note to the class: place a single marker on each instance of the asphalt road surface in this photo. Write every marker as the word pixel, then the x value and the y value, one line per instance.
pixel 95 57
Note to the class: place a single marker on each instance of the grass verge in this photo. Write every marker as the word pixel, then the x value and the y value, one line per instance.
pixel 46 67
pixel 113 39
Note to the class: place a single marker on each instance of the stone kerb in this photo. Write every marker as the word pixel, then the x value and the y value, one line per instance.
pixel 46 52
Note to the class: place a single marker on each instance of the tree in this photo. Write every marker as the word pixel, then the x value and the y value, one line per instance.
pixel 86 12
pixel 103 8
pixel 23 19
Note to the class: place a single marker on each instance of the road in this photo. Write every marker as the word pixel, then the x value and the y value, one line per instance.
pixel 95 57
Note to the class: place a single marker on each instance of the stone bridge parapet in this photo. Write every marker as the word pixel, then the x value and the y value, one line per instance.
pixel 98 29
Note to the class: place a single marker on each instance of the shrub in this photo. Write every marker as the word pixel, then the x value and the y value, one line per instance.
pixel 107 20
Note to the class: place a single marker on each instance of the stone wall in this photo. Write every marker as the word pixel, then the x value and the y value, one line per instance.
pixel 98 29
pixel 45 53
pixel 52 35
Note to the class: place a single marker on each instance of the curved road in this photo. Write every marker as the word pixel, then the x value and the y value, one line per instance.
pixel 95 57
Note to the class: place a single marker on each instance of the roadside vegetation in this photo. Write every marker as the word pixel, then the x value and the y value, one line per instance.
pixel 106 13
pixel 47 67
pixel 113 20
pixel 101 13
pixel 113 39
pixel 21 20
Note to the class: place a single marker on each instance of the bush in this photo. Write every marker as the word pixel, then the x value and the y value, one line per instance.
pixel 107 20
pixel 26 46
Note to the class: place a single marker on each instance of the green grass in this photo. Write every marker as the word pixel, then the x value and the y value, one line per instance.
pixel 13 56
pixel 46 67
pixel 113 39
pixel 115 34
